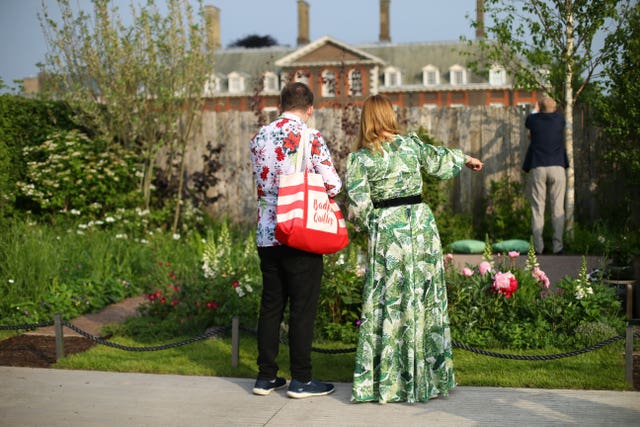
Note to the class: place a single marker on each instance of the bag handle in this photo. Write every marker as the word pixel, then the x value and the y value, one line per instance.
pixel 304 142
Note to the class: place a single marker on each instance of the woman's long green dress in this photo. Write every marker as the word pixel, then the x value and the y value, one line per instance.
pixel 404 351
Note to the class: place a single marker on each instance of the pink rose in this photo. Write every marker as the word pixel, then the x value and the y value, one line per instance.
pixel 467 272
pixel 513 254
pixel 484 267
pixel 541 276
pixel 505 284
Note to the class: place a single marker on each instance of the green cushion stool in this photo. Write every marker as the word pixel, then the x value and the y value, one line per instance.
pixel 468 247
pixel 521 246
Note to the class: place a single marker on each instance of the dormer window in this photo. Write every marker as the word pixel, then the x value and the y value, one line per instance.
pixel 430 76
pixel 355 83
pixel 328 83
pixel 270 82
pixel 236 82
pixel 497 76
pixel 457 75
pixel 392 77
pixel 213 85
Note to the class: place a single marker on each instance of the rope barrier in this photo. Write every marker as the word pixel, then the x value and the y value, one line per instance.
pixel 217 331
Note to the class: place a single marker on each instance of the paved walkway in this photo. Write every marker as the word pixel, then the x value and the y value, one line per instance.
pixel 65 398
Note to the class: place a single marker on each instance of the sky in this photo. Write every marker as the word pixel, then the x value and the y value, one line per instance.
pixel 349 21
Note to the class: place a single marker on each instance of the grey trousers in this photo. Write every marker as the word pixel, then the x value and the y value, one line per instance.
pixel 551 180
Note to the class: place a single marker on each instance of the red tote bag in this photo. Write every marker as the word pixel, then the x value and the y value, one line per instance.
pixel 307 219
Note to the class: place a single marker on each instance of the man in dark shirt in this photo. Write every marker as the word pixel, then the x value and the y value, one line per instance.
pixel 547 160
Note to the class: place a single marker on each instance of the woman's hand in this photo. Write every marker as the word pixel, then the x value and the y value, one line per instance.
pixel 473 163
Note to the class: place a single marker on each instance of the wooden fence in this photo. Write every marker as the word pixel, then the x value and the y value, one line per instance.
pixel 495 135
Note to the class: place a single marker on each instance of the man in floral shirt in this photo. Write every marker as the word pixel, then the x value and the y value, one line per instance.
pixel 288 275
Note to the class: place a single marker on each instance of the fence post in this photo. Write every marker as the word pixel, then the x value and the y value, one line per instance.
pixel 57 326
pixel 235 341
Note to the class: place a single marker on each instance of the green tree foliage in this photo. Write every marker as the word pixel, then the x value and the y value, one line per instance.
pixel 619 107
pixel 548 46
pixel 140 85
pixel 24 122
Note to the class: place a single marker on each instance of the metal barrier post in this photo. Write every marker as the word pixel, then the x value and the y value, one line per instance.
pixel 628 355
pixel 57 326
pixel 235 341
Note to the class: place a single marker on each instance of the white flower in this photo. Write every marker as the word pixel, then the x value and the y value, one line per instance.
pixel 121 236
pixel 10 281
pixel 239 291
pixel 110 219
pixel 75 212
pixel 80 232
pixel 176 236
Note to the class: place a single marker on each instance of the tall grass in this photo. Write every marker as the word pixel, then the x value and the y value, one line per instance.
pixel 40 266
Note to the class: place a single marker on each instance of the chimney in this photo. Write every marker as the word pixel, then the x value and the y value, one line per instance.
pixel 303 22
pixel 212 21
pixel 479 19
pixel 385 35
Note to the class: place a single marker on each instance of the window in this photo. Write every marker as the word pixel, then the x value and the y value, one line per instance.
pixel 270 82
pixel 302 77
pixel 213 85
pixel 497 76
pixel 355 83
pixel 236 83
pixel 328 83
pixel 457 75
pixel 430 76
pixel 392 77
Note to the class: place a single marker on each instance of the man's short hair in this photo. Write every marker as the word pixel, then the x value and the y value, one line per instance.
pixel 547 105
pixel 296 96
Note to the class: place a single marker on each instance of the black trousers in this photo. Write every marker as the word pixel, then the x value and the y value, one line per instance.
pixel 289 276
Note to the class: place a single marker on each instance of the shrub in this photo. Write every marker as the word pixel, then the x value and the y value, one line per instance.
pixel 71 172
pixel 220 279
pixel 499 305
pixel 24 122
pixel 341 293
pixel 507 212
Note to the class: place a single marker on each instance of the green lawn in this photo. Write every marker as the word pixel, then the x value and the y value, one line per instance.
pixel 602 369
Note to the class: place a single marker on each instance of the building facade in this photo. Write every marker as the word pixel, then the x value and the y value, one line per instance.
pixel 427 74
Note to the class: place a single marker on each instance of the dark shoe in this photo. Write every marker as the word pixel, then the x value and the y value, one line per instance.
pixel 300 390
pixel 264 387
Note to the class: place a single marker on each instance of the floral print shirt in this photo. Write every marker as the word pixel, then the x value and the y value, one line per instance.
pixel 273 151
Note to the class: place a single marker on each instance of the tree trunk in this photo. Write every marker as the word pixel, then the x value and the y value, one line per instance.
pixel 568 113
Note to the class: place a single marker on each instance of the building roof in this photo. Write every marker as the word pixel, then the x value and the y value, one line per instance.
pixel 408 58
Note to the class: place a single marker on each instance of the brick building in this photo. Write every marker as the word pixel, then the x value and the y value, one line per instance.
pixel 428 74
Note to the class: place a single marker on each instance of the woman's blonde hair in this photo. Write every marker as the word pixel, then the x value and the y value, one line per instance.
pixel 377 121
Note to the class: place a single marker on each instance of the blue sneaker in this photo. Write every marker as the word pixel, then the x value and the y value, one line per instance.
pixel 300 390
pixel 264 387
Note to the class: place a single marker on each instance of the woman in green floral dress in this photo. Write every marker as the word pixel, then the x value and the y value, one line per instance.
pixel 404 346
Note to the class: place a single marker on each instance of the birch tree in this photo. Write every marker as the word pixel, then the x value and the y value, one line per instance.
pixel 548 46
pixel 140 85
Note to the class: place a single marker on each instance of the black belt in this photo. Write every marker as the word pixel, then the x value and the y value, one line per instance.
pixel 398 201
